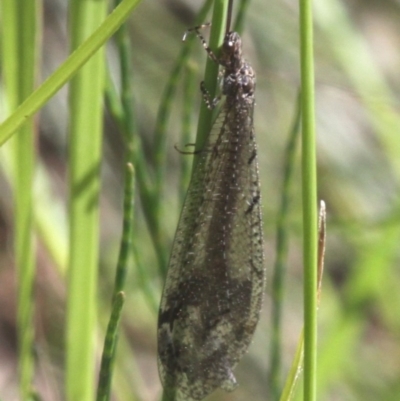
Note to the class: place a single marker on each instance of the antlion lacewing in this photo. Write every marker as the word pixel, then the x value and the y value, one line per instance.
pixel 213 291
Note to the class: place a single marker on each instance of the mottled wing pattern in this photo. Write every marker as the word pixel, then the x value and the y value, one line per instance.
pixel 212 295
pixel 213 291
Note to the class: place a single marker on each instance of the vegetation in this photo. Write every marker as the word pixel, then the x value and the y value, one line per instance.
pixel 94 215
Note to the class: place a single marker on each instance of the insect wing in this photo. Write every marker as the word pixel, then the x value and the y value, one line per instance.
pixel 213 291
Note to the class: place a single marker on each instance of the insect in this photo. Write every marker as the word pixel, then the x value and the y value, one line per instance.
pixel 213 291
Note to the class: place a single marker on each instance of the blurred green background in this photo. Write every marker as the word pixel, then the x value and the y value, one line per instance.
pixel 357 60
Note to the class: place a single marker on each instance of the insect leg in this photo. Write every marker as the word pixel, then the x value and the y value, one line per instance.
pixel 210 102
pixel 196 30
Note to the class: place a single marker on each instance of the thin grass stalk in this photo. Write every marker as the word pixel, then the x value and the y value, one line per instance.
pixel 85 143
pixel 294 371
pixel 309 184
pixel 109 349
pixel 134 159
pixel 24 159
pixel 67 70
pixel 116 110
pixel 122 109
pixel 127 230
pixel 149 194
pixel 111 339
pixel 9 51
pixel 143 178
pixel 297 363
pixel 134 148
pixel 282 241
pixel 45 210
pixel 19 67
pixel 211 73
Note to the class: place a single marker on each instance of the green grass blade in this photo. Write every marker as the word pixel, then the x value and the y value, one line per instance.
pixel 110 344
pixel 86 111
pixel 294 372
pixel 122 109
pixel 134 147
pixel 67 70
pixel 309 183
pixel 127 230
pixel 19 56
pixel 297 363
pixel 211 72
pixel 24 169
pixel 111 340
